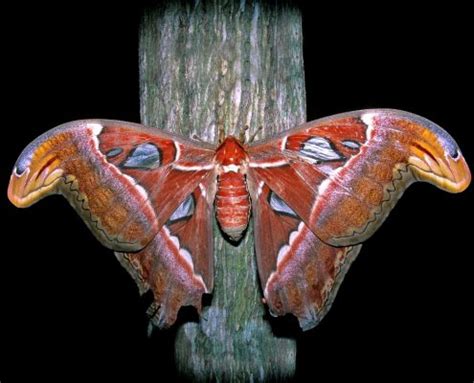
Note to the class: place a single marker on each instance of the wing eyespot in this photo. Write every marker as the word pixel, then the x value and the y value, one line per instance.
pixel 113 152
pixel 144 156
pixel 320 149
pixel 351 144
pixel 184 211
pixel 280 206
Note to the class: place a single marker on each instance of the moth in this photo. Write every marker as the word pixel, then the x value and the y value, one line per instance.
pixel 315 193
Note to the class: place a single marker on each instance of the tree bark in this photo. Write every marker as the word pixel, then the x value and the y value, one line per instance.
pixel 225 65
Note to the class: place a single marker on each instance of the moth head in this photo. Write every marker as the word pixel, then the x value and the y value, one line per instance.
pixel 35 175
pixel 230 152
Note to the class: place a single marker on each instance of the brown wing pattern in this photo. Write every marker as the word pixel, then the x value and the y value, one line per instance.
pixel 177 265
pixel 349 170
pixel 321 189
pixel 142 192
pixel 300 274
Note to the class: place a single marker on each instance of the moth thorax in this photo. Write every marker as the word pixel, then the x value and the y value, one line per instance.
pixel 232 204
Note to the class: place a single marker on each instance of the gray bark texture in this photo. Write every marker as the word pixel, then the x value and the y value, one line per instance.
pixel 224 65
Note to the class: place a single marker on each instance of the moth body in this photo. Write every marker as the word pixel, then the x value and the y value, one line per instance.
pixel 232 201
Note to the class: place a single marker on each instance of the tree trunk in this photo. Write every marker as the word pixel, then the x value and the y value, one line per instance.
pixel 225 65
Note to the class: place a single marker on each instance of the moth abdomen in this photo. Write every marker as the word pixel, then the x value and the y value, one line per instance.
pixel 232 204
pixel 232 199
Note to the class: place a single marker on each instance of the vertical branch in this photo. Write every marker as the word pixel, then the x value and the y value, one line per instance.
pixel 225 65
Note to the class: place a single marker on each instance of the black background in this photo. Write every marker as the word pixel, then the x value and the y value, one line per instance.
pixel 69 311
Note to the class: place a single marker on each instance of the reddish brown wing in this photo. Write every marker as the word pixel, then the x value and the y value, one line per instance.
pixel 349 170
pixel 178 264
pixel 142 193
pixel 326 186
pixel 300 274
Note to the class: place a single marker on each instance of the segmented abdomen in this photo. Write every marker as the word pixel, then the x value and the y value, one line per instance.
pixel 232 204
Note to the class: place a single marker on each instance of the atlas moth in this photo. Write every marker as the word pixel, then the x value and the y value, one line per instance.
pixel 315 193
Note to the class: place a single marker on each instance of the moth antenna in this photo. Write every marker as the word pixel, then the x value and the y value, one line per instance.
pixel 252 137
pixel 221 133
pixel 242 133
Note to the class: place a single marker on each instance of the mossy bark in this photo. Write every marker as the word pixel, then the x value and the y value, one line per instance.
pixel 225 65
